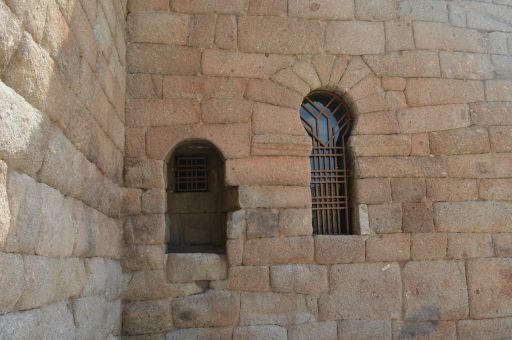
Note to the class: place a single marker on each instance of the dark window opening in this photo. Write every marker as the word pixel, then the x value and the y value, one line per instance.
pixel 327 119
pixel 196 197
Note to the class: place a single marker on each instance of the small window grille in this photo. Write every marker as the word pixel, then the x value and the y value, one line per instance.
pixel 327 119
pixel 191 174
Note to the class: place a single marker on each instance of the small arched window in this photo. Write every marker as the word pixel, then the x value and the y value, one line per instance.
pixel 327 119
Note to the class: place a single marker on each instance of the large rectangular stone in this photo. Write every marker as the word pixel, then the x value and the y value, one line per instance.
pixel 495 189
pixel 301 279
pixel 271 119
pixel 161 112
pixel 441 36
pixel 162 59
pixel 276 308
pixel 389 247
pixel 385 218
pixel 211 309
pixel 274 197
pixel 501 138
pixel 452 189
pixel 248 65
pixel 285 250
pixel 472 140
pixel 354 37
pixel 465 245
pixel 326 330
pixel 384 122
pixel 195 267
pixel 210 6
pixel 428 246
pixel 11 281
pixel 405 64
pixel 260 332
pixel 323 9
pixel 279 35
pixel 269 92
pixel 480 329
pixel 426 329
pixel 491 113
pixel 489 287
pixel 372 190
pixel 401 167
pixel 381 145
pixel 425 91
pixel 249 278
pixel 147 317
pixel 364 329
pixel 368 291
pixel 466 65
pixel 158 27
pixel 435 290
pixel 498 90
pixel 473 216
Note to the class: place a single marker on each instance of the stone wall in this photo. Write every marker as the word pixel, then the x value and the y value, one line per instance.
pixel 62 85
pixel 430 85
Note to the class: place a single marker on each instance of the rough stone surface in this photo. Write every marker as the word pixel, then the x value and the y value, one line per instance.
pixel 195 267
pixel 428 246
pixel 339 249
pixel 435 290
pixel 348 37
pixel 362 291
pixel 302 279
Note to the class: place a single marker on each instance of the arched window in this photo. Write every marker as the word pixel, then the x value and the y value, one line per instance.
pixel 327 119
pixel 196 199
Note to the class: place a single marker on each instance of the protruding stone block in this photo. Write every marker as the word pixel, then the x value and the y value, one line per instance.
pixel 147 317
pixel 196 267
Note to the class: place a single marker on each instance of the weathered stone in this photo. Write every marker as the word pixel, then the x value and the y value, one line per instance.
pixel 236 225
pixel 249 278
pixel 479 166
pixel 353 72
pixel 408 189
pixel 268 7
pixel 226 32
pixel 146 229
pixel 325 9
pixel 268 171
pixel 375 10
pixel 493 113
pixel 339 249
pixel 376 123
pixel 392 247
pixel 143 257
pixel 405 64
pixel 10 34
pixel 211 309
pixel 441 36
pixel 502 244
pixel 281 145
pixel 154 201
pixel 435 290
pixel 147 317
pixel 429 329
pixel 147 5
pixel 32 14
pixel 302 279
pixel 358 37
pixel 460 141
pixel 264 251
pixel 210 6
pixel 424 10
pixel 372 190
pixel 268 92
pixel 433 118
pixel 422 91
pixel 398 36
pixel 250 65
pixel 195 267
pixel 262 223
pixel 495 189
pixel 381 145
pixel 478 329
pixel 270 119
pixel 270 332
pixel 157 27
pixel 290 79
pixel 144 174
pixel 162 59
pixel 420 145
pixel 24 132
pixel 274 197
pixel 295 222
pixel 394 83
pixel 258 34
pixel 12 281
pixel 232 140
pixel 234 252
pixel 489 287
pixel 202 31
pixel 226 111
pixel 466 65
pixel 418 218
pixel 501 138
pixel 461 246
pixel 451 189
pixel 385 218
pixel 326 330
pixel 369 291
pixel 211 333
pixel 364 329
pixel 158 112
pixel 473 216
pixel 275 308
pixel 401 167
pixel 428 246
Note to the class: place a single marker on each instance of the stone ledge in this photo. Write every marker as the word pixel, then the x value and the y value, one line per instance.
pixel 195 267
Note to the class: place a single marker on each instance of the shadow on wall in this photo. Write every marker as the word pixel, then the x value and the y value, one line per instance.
pixel 61 142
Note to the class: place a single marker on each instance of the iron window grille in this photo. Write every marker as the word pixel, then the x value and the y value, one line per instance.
pixel 191 174
pixel 327 119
